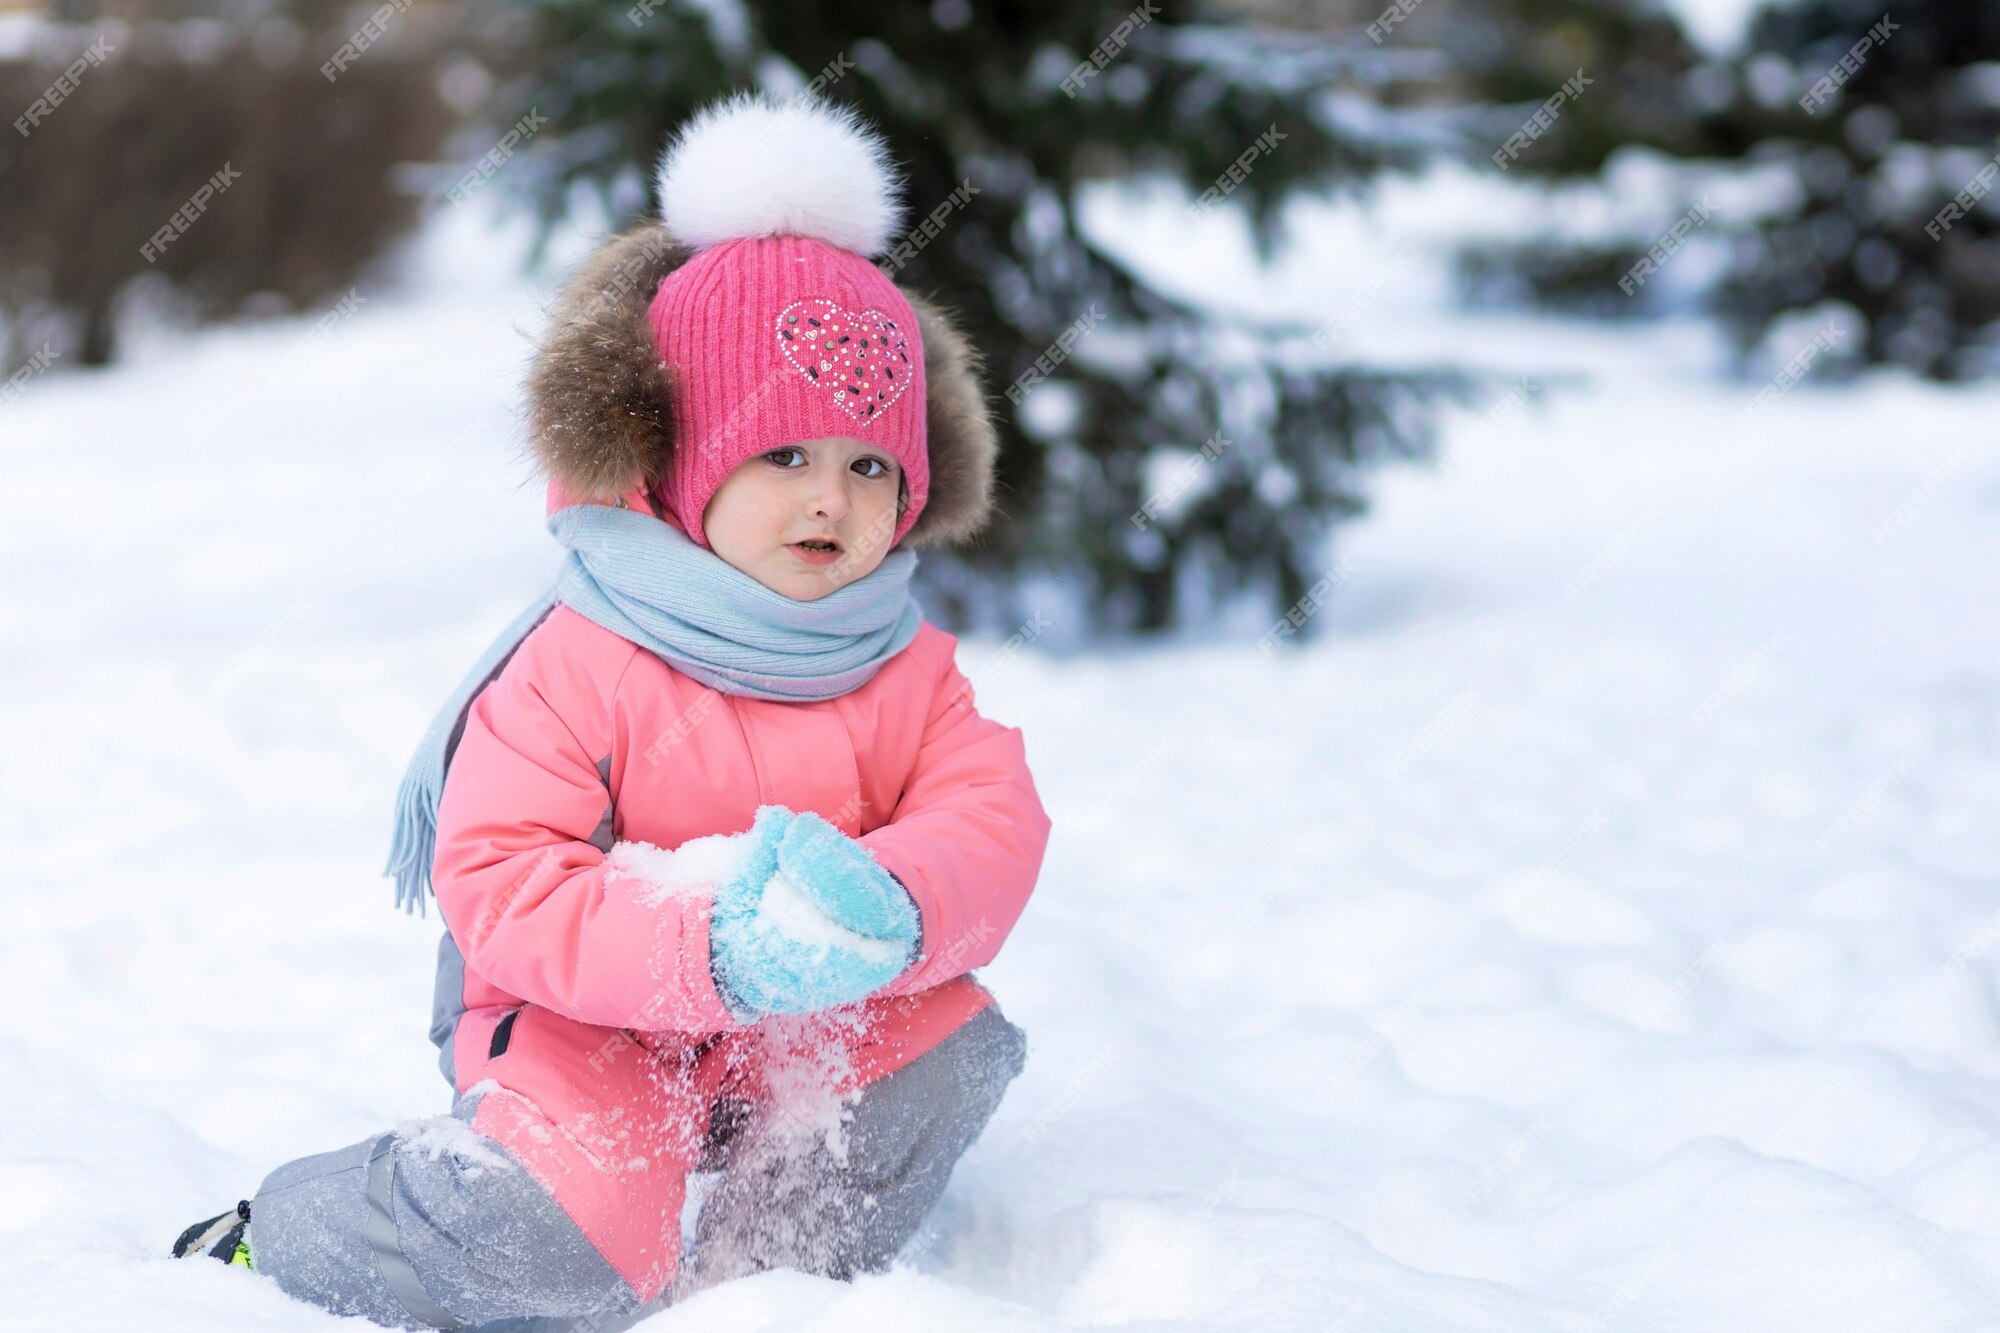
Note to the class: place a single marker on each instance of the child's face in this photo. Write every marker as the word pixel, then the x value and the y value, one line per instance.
pixel 834 488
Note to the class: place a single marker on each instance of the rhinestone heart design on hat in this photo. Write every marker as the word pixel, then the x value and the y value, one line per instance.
pixel 861 358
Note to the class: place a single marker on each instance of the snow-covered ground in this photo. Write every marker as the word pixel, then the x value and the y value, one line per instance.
pixel 1596 929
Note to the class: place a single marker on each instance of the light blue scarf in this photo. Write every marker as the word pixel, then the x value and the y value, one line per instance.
pixel 647 581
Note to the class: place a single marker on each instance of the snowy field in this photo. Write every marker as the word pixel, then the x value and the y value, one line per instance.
pixel 1596 929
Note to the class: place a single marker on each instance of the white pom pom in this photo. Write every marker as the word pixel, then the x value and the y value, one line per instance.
pixel 750 166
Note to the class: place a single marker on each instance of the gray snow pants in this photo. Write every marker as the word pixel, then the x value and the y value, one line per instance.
pixel 440 1225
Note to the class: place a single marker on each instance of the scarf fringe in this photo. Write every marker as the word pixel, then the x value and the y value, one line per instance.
pixel 414 845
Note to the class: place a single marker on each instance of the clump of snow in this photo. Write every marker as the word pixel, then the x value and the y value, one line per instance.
pixel 434 1136
pixel 655 874
pixel 789 913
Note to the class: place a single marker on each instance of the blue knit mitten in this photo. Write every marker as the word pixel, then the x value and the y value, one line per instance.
pixel 811 920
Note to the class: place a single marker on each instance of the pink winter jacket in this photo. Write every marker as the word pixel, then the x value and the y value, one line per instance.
pixel 586 740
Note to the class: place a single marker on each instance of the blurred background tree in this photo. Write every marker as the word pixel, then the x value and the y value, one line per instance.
pixel 1113 472
pixel 1874 165
pixel 1855 180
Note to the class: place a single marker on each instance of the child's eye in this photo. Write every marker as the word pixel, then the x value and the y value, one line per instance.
pixel 779 456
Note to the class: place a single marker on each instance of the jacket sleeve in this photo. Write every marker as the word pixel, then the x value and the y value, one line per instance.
pixel 966 838
pixel 520 876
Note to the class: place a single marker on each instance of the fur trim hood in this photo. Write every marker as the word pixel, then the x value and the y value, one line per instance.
pixel 598 395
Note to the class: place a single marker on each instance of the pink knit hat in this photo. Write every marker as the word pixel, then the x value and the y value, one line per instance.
pixel 780 328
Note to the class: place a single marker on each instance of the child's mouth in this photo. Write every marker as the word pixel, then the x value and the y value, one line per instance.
pixel 816 552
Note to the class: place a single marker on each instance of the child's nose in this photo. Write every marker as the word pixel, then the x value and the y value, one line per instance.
pixel 830 500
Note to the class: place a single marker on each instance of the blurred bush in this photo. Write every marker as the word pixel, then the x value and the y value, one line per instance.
pixel 282 179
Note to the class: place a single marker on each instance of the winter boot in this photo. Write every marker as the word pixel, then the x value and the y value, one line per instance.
pixel 225 1237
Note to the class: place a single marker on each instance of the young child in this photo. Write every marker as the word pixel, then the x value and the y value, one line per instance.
pixel 719 836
